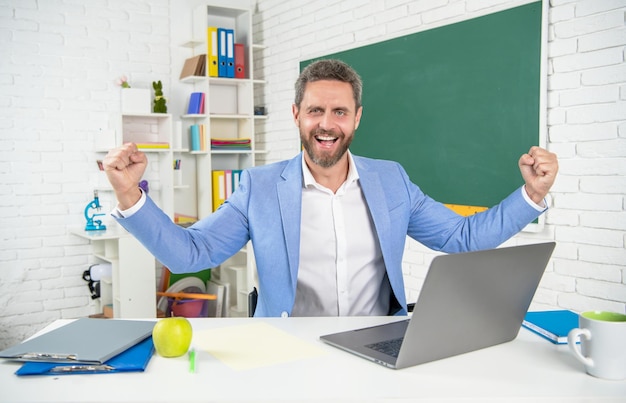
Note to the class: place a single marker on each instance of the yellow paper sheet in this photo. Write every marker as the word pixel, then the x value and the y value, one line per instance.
pixel 254 345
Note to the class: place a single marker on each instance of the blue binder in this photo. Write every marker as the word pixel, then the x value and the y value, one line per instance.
pixel 135 359
pixel 230 53
pixel 221 52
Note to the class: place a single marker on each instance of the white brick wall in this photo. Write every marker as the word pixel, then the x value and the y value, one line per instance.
pixel 59 63
pixel 60 59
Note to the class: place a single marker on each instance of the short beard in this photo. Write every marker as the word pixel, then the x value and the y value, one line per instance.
pixel 324 161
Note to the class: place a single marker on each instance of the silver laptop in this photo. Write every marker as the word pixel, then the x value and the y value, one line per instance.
pixel 468 301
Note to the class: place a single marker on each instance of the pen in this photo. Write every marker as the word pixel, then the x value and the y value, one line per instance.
pixel 192 361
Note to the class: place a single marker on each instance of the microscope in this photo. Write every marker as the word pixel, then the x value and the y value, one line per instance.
pixel 94 225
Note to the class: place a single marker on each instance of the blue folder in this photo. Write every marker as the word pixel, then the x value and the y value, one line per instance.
pixel 135 359
pixel 551 325
pixel 221 52
pixel 230 53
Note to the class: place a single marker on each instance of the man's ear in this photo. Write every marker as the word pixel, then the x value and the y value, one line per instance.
pixel 357 118
pixel 296 114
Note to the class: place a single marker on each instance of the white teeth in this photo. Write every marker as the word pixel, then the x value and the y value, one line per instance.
pixel 322 138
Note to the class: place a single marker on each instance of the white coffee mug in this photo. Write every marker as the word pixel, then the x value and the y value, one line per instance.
pixel 602 344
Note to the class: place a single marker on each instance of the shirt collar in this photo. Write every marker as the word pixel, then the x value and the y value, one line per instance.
pixel 308 179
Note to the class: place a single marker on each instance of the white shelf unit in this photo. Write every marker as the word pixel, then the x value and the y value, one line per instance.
pixel 153 128
pixel 229 113
pixel 131 288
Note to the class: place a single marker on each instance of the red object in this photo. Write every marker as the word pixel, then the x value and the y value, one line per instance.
pixel 240 61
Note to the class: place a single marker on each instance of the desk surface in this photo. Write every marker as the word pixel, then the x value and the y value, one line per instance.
pixel 528 368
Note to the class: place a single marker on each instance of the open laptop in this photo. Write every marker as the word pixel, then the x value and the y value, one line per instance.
pixel 468 301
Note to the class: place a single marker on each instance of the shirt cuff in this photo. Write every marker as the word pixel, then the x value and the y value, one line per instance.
pixel 117 213
pixel 532 203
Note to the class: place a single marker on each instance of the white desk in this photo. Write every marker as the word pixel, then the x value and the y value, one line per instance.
pixel 526 369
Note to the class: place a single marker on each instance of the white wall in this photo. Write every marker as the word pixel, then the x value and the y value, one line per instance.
pixel 59 60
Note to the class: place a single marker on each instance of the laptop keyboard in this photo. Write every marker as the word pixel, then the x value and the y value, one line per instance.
pixel 389 347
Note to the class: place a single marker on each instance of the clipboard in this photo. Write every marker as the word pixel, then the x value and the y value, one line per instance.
pixel 83 341
pixel 134 359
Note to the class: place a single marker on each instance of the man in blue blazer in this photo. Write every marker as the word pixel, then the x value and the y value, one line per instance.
pixel 328 228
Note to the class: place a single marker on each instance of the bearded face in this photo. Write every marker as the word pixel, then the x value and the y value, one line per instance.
pixel 327 120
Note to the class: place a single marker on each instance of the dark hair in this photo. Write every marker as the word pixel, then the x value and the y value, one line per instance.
pixel 329 69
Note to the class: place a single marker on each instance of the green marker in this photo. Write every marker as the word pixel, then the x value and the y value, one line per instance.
pixel 192 361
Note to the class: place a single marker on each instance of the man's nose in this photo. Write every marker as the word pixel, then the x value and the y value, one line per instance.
pixel 327 121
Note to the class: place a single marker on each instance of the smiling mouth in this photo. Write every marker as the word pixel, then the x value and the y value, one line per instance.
pixel 326 140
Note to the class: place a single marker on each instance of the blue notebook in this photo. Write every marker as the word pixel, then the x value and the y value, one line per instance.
pixel 552 325
pixel 134 359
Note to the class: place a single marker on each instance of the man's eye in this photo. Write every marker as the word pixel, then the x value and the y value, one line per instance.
pixel 340 113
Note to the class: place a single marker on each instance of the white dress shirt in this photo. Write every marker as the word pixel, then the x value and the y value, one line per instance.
pixel 341 270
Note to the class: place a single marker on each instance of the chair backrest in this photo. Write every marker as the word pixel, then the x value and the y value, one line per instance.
pixel 252 298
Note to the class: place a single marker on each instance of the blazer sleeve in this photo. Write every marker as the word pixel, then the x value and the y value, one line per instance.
pixel 441 229
pixel 206 244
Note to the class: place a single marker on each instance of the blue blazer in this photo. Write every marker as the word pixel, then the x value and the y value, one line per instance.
pixel 266 209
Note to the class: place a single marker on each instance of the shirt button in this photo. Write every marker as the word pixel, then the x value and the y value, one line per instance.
pixel 284 314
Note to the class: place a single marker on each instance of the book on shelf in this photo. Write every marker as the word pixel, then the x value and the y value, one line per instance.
pixel 194 66
pixel 231 144
pixel 196 103
pixel 551 325
pixel 153 145
pixel 198 137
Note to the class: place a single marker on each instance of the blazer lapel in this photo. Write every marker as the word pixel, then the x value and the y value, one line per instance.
pixel 372 189
pixel 290 205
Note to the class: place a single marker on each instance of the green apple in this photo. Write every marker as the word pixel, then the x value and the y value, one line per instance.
pixel 172 336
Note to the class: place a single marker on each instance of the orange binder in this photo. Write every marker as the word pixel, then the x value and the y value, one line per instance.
pixel 240 61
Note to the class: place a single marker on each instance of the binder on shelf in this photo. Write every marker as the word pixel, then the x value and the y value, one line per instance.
pixel 235 178
pixel 551 325
pixel 83 341
pixel 212 51
pixel 230 53
pixel 221 52
pixel 225 182
pixel 134 359
pixel 228 182
pixel 240 61
pixel 196 103
pixel 194 66
pixel 219 188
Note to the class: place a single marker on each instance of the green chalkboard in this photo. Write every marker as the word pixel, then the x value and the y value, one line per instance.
pixel 456 105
